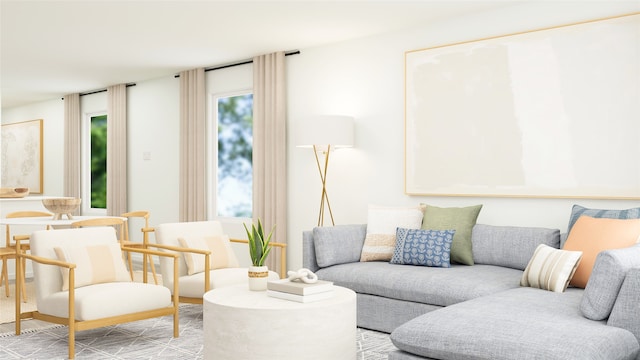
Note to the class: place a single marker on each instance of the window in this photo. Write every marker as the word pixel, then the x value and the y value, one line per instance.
pixel 95 163
pixel 233 184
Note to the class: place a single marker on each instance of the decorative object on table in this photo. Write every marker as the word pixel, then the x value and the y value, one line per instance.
pixel 301 298
pixel 62 206
pixel 11 192
pixel 301 286
pixel 22 154
pixel 304 275
pixel 324 134
pixel 259 248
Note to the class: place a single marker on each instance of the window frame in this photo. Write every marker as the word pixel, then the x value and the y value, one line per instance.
pixel 212 157
pixel 85 131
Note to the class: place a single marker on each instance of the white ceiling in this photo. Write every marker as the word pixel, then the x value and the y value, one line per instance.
pixel 51 48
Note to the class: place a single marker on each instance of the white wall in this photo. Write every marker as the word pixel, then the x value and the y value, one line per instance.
pixel 362 78
pixel 365 79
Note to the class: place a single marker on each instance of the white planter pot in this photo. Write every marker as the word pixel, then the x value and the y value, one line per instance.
pixel 258 276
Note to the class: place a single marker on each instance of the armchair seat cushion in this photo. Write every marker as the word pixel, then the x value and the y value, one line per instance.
pixel 192 285
pixel 106 300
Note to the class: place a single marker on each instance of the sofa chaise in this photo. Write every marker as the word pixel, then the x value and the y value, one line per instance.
pixel 482 311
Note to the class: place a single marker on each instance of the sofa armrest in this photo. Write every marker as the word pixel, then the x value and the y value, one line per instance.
pixel 626 310
pixel 309 251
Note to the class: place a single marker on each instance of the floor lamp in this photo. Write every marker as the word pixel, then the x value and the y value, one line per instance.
pixel 324 134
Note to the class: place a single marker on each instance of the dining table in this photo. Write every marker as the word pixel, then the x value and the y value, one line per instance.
pixel 50 221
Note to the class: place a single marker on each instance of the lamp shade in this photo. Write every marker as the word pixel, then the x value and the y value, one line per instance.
pixel 321 131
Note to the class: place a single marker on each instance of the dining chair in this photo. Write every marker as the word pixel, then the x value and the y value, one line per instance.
pixel 81 281
pixel 131 217
pixel 9 250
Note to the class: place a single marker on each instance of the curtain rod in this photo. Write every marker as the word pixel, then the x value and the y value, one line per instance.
pixel 243 62
pixel 100 90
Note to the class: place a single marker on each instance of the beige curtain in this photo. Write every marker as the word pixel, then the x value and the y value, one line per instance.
pixel 269 147
pixel 72 147
pixel 193 200
pixel 116 149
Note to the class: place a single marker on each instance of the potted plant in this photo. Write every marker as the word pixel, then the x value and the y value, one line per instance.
pixel 259 248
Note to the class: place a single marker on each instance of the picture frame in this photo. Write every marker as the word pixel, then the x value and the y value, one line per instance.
pixel 22 155
pixel 547 113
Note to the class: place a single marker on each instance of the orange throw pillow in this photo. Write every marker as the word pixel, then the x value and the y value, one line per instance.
pixel 593 235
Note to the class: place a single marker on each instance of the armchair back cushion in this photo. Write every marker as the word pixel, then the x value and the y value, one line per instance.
pixel 48 279
pixel 169 233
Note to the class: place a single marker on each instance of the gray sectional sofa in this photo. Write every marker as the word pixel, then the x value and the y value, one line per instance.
pixel 481 311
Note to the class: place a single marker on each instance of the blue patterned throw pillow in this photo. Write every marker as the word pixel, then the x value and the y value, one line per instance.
pixel 423 247
pixel 577 211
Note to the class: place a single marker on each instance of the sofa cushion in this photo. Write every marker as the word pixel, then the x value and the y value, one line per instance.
pixel 593 235
pixel 382 222
pixel 423 247
pixel 338 244
pixel 523 323
pixel 606 279
pixel 460 219
pixel 550 268
pixel 577 211
pixel 427 285
pixel 510 246
pixel 625 312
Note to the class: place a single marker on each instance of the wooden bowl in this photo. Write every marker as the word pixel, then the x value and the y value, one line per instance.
pixel 61 206
pixel 7 192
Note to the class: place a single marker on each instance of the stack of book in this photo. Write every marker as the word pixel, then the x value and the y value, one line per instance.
pixel 300 291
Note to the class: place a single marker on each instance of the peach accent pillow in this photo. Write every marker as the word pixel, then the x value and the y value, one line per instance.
pixel 222 255
pixel 95 264
pixel 593 235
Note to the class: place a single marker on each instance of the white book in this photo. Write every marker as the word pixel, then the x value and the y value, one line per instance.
pixel 300 298
pixel 300 288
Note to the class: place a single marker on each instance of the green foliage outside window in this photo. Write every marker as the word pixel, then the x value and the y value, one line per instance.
pixel 235 152
pixel 99 162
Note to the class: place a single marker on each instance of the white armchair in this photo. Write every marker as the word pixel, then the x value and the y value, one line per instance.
pixel 81 281
pixel 190 239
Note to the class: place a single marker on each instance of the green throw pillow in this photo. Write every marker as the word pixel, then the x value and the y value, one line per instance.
pixel 459 219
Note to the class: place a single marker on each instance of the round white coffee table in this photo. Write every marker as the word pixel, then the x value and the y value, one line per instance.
pixel 240 324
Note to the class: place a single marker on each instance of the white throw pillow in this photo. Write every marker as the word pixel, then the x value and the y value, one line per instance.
pixel 222 255
pixel 382 223
pixel 95 264
pixel 550 268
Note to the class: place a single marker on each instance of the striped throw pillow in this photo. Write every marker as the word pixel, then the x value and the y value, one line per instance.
pixel 550 268
pixel 95 264
pixel 382 223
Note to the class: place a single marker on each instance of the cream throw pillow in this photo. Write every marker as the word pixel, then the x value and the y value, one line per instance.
pixel 222 255
pixel 95 264
pixel 550 268
pixel 382 222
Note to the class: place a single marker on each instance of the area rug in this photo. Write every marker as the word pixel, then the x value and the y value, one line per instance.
pixel 147 339
pixel 8 304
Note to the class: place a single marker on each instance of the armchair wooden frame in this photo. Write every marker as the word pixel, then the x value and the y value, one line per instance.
pixel 147 259
pixel 207 255
pixel 75 325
